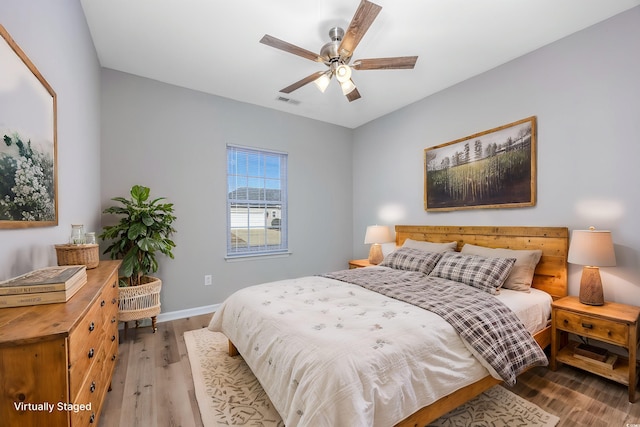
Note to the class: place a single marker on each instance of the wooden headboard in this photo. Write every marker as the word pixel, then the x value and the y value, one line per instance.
pixel 551 272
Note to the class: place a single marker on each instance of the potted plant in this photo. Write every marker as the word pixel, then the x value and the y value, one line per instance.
pixel 144 229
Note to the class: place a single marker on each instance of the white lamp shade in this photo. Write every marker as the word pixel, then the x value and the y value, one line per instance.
pixel 322 82
pixel 592 247
pixel 343 73
pixel 378 234
pixel 347 87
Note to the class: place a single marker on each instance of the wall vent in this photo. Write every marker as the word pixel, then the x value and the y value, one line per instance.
pixel 288 100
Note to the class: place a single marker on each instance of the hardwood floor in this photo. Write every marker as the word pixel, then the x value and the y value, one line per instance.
pixel 578 397
pixel 152 386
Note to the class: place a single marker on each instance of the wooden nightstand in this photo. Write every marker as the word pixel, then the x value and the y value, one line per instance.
pixel 611 323
pixel 359 263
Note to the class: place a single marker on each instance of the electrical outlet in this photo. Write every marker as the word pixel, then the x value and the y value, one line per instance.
pixel 208 280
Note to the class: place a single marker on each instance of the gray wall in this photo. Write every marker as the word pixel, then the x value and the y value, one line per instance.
pixel 585 92
pixel 55 37
pixel 173 140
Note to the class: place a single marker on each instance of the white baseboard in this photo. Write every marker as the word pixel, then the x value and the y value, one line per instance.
pixel 189 312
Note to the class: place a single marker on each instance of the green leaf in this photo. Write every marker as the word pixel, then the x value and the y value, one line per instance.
pixel 128 264
pixel 136 230
pixel 147 219
pixel 148 244
pixel 140 193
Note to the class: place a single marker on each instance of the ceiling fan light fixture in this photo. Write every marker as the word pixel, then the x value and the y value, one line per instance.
pixel 322 82
pixel 347 87
pixel 337 54
pixel 343 73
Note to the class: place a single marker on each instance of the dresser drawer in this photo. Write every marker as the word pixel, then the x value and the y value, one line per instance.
pixel 109 304
pixel 592 327
pixel 96 384
pixel 91 335
pixel 111 323
pixel 91 392
pixel 112 352
pixel 78 372
pixel 110 296
pixel 82 353
pixel 88 327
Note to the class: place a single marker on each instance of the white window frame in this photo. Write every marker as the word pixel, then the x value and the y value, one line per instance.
pixel 254 194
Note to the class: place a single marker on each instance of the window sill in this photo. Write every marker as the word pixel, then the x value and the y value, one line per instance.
pixel 248 257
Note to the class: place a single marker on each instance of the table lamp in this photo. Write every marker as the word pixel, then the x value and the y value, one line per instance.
pixel 591 248
pixel 375 235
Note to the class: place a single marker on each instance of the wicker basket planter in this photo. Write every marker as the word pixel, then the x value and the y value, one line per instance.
pixel 88 255
pixel 140 302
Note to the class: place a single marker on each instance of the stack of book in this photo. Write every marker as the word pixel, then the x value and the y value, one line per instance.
pixel 44 286
pixel 597 355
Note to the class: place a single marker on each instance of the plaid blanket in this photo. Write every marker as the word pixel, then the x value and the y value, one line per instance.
pixel 485 323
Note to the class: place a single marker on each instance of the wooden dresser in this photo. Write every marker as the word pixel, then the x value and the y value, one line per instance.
pixel 57 360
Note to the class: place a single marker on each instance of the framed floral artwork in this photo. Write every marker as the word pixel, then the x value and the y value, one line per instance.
pixel 28 150
pixel 491 169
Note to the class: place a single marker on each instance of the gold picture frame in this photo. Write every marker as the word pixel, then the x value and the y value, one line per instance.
pixel 491 169
pixel 28 150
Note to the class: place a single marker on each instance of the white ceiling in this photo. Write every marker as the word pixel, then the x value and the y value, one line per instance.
pixel 213 45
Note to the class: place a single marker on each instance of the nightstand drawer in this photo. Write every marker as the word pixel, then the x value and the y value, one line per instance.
pixel 592 327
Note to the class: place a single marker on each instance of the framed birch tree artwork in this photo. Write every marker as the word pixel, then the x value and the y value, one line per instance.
pixel 28 150
pixel 491 169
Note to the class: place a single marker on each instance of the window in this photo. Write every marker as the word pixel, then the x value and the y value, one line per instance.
pixel 256 202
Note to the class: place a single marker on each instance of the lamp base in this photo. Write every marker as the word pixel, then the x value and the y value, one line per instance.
pixel 375 254
pixel 591 286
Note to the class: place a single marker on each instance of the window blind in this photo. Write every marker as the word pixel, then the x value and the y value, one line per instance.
pixel 256 201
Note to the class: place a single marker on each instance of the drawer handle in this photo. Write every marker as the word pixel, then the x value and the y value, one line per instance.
pixel 587 325
pixel 113 320
pixel 113 338
pixel 566 322
pixel 92 418
pixel 92 326
pixel 90 354
pixel 113 300
pixel 92 387
pixel 113 357
pixel 102 303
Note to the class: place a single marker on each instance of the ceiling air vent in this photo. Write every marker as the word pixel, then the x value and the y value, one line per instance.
pixel 288 100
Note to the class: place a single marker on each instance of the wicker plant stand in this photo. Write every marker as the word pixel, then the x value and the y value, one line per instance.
pixel 140 302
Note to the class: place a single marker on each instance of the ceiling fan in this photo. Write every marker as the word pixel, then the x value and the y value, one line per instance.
pixel 338 52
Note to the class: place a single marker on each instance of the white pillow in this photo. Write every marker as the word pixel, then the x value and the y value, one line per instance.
pixel 430 246
pixel 522 272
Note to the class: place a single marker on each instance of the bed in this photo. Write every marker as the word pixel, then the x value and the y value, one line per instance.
pixel 314 342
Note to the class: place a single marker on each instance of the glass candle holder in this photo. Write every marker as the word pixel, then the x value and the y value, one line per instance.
pixel 90 238
pixel 77 234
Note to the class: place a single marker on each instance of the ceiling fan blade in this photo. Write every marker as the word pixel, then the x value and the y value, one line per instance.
pixel 353 95
pixel 400 62
pixel 300 83
pixel 288 47
pixel 360 23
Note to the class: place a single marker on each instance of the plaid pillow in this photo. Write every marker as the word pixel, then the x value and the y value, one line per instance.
pixel 486 274
pixel 522 272
pixel 411 260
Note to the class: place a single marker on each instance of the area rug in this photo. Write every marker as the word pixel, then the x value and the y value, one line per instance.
pixel 228 394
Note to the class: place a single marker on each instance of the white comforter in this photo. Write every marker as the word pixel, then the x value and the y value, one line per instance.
pixel 329 353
